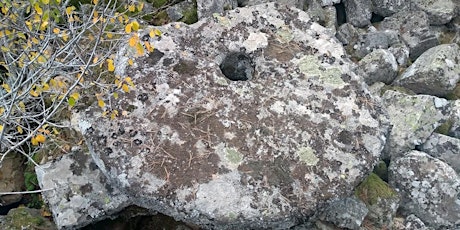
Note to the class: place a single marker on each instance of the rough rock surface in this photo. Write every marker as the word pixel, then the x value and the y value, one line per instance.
pixel 386 8
pixel 257 153
pixel 439 11
pixel 429 188
pixel 12 178
pixel 358 12
pixel 81 194
pixel 379 65
pixel 346 213
pixel 413 27
pixel 436 72
pixel 444 148
pixel 205 8
pixel 413 119
pixel 454 130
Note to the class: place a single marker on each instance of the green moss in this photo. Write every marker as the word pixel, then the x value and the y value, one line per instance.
pixel 158 3
pixel 20 217
pixel 373 188
pixel 444 128
pixel 160 18
pixel 455 94
pixel 190 16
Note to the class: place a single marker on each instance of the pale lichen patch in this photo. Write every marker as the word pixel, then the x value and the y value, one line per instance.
pixel 307 155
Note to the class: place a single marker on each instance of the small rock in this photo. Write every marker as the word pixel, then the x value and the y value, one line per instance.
pixel 12 178
pixel 345 213
pixel 439 11
pixel 436 72
pixel 206 8
pixel 429 189
pixel 380 65
pixel 454 129
pixel 386 8
pixel 23 218
pixel 358 12
pixel 444 148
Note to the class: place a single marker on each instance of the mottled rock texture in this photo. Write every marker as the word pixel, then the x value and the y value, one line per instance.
pixel 260 153
pixel 380 65
pixel 429 189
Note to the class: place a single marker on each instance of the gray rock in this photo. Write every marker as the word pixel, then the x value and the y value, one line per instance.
pixel 373 40
pixel 329 2
pixel 289 3
pixel 413 119
pixel 414 223
pixel 401 54
pixel 386 8
pixel 347 34
pixel 81 194
pixel 380 65
pixel 345 213
pixel 24 218
pixel 439 11
pixel 359 12
pixel 413 26
pixel 206 8
pixel 436 72
pixel 454 130
pixel 176 12
pixel 444 148
pixel 261 153
pixel 429 189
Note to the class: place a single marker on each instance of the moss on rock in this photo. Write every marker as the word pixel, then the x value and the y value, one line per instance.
pixel 373 188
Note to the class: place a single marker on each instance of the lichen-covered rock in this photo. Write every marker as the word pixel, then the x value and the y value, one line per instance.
pixel 12 178
pixel 429 189
pixel 444 148
pixel 260 153
pixel 436 72
pixel 346 213
pixel 439 11
pixel 414 223
pixel 413 119
pixel 380 65
pixel 373 40
pixel 347 34
pixel 206 8
pixel 359 12
pixel 23 218
pixel 289 3
pixel 386 8
pixel 414 29
pixel 79 193
pixel 454 129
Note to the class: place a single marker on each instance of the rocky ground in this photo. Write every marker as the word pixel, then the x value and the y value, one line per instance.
pixel 315 114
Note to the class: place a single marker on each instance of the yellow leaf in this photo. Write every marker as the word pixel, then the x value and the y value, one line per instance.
pixel 140 6
pixel 41 59
pixel 95 2
pixel 152 33
pixel 135 25
pixel 129 81
pixel 46 86
pixel 125 88
pixel 101 103
pixel 114 114
pixel 4 10
pixel 65 36
pixel 75 95
pixel 148 46
pixel 95 60
pixel 40 138
pixel 130 62
pixel 2 110
pixel 131 8
pixel 20 130
pixel 115 95
pixel 1 128
pixel 5 49
pixel 33 93
pixel 45 1
pixel 55 131
pixel 35 40
pixel 110 66
pixel 157 32
pixel 34 141
pixel 105 113
pixel 140 49
pixel 56 30
pixel 133 40
pixel 128 28
pixel 38 9
pixel 69 10
pixel 6 87
pixel 22 106
pixel 109 35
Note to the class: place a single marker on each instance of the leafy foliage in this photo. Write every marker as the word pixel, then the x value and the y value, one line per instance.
pixel 53 52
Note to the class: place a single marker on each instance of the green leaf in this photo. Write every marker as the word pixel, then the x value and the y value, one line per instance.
pixel 71 101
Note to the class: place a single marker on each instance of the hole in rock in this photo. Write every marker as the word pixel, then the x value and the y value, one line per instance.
pixel 341 14
pixel 237 66
pixel 376 18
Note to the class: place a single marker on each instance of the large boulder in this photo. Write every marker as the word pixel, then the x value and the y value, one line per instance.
pixel 252 119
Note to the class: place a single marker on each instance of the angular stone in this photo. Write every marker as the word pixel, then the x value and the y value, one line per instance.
pixel 413 26
pixel 429 189
pixel 80 194
pixel 368 42
pixel 436 72
pixel 444 148
pixel 346 213
pixel 260 153
pixel 12 178
pixel 439 11
pixel 380 65
pixel 358 12
pixel 205 8
pixel 454 130
pixel 413 119
pixel 386 8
